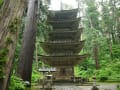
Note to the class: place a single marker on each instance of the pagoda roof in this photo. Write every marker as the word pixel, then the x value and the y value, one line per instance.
pixel 65 31
pixel 63 24
pixel 64 34
pixel 62 46
pixel 63 60
pixel 62 14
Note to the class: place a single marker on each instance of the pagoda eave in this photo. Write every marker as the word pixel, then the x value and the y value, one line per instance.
pixel 62 47
pixel 63 60
pixel 66 36
pixel 62 42
pixel 71 24
pixel 56 35
pixel 65 31
pixel 64 21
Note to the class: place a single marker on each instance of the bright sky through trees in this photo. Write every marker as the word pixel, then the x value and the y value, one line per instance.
pixel 56 4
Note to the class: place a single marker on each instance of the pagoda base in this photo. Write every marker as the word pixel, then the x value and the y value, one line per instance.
pixel 64 73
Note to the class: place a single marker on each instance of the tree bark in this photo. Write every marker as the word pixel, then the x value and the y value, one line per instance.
pixel 11 10
pixel 37 65
pixel 95 52
pixel 28 45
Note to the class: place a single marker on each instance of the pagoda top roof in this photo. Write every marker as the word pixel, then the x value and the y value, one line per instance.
pixel 62 14
pixel 63 60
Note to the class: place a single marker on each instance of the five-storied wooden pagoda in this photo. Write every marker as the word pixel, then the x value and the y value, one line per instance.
pixel 64 43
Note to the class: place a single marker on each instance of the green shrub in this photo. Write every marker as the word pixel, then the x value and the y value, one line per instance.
pixel 103 78
pixel 3 52
pixel 9 40
pixel 36 76
pixel 16 83
pixel 3 58
pixel 1 74
pixel 116 51
pixel 14 26
pixel 1 2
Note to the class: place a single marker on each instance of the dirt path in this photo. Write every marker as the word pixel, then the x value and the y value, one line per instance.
pixel 101 86
pixel 74 87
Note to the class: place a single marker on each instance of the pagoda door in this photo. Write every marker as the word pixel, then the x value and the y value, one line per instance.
pixel 63 71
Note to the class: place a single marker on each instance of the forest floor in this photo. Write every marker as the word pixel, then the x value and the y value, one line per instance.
pixel 101 86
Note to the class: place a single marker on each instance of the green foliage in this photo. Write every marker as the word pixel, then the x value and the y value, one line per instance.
pixel 3 52
pixel 76 71
pixel 36 76
pixel 43 27
pixel 13 27
pixel 1 74
pixel 103 78
pixel 111 71
pixel 103 75
pixel 108 72
pixel 100 32
pixel 116 51
pixel 1 2
pixel 8 40
pixel 3 59
pixel 16 83
pixel 44 9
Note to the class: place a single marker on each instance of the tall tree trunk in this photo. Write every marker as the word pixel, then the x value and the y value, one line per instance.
pixel 37 66
pixel 10 13
pixel 95 53
pixel 28 44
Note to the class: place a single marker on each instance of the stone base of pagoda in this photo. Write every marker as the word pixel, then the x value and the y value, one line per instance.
pixel 64 73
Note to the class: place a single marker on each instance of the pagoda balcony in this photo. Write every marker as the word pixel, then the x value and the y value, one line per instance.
pixel 65 24
pixel 51 47
pixel 63 60
pixel 62 14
